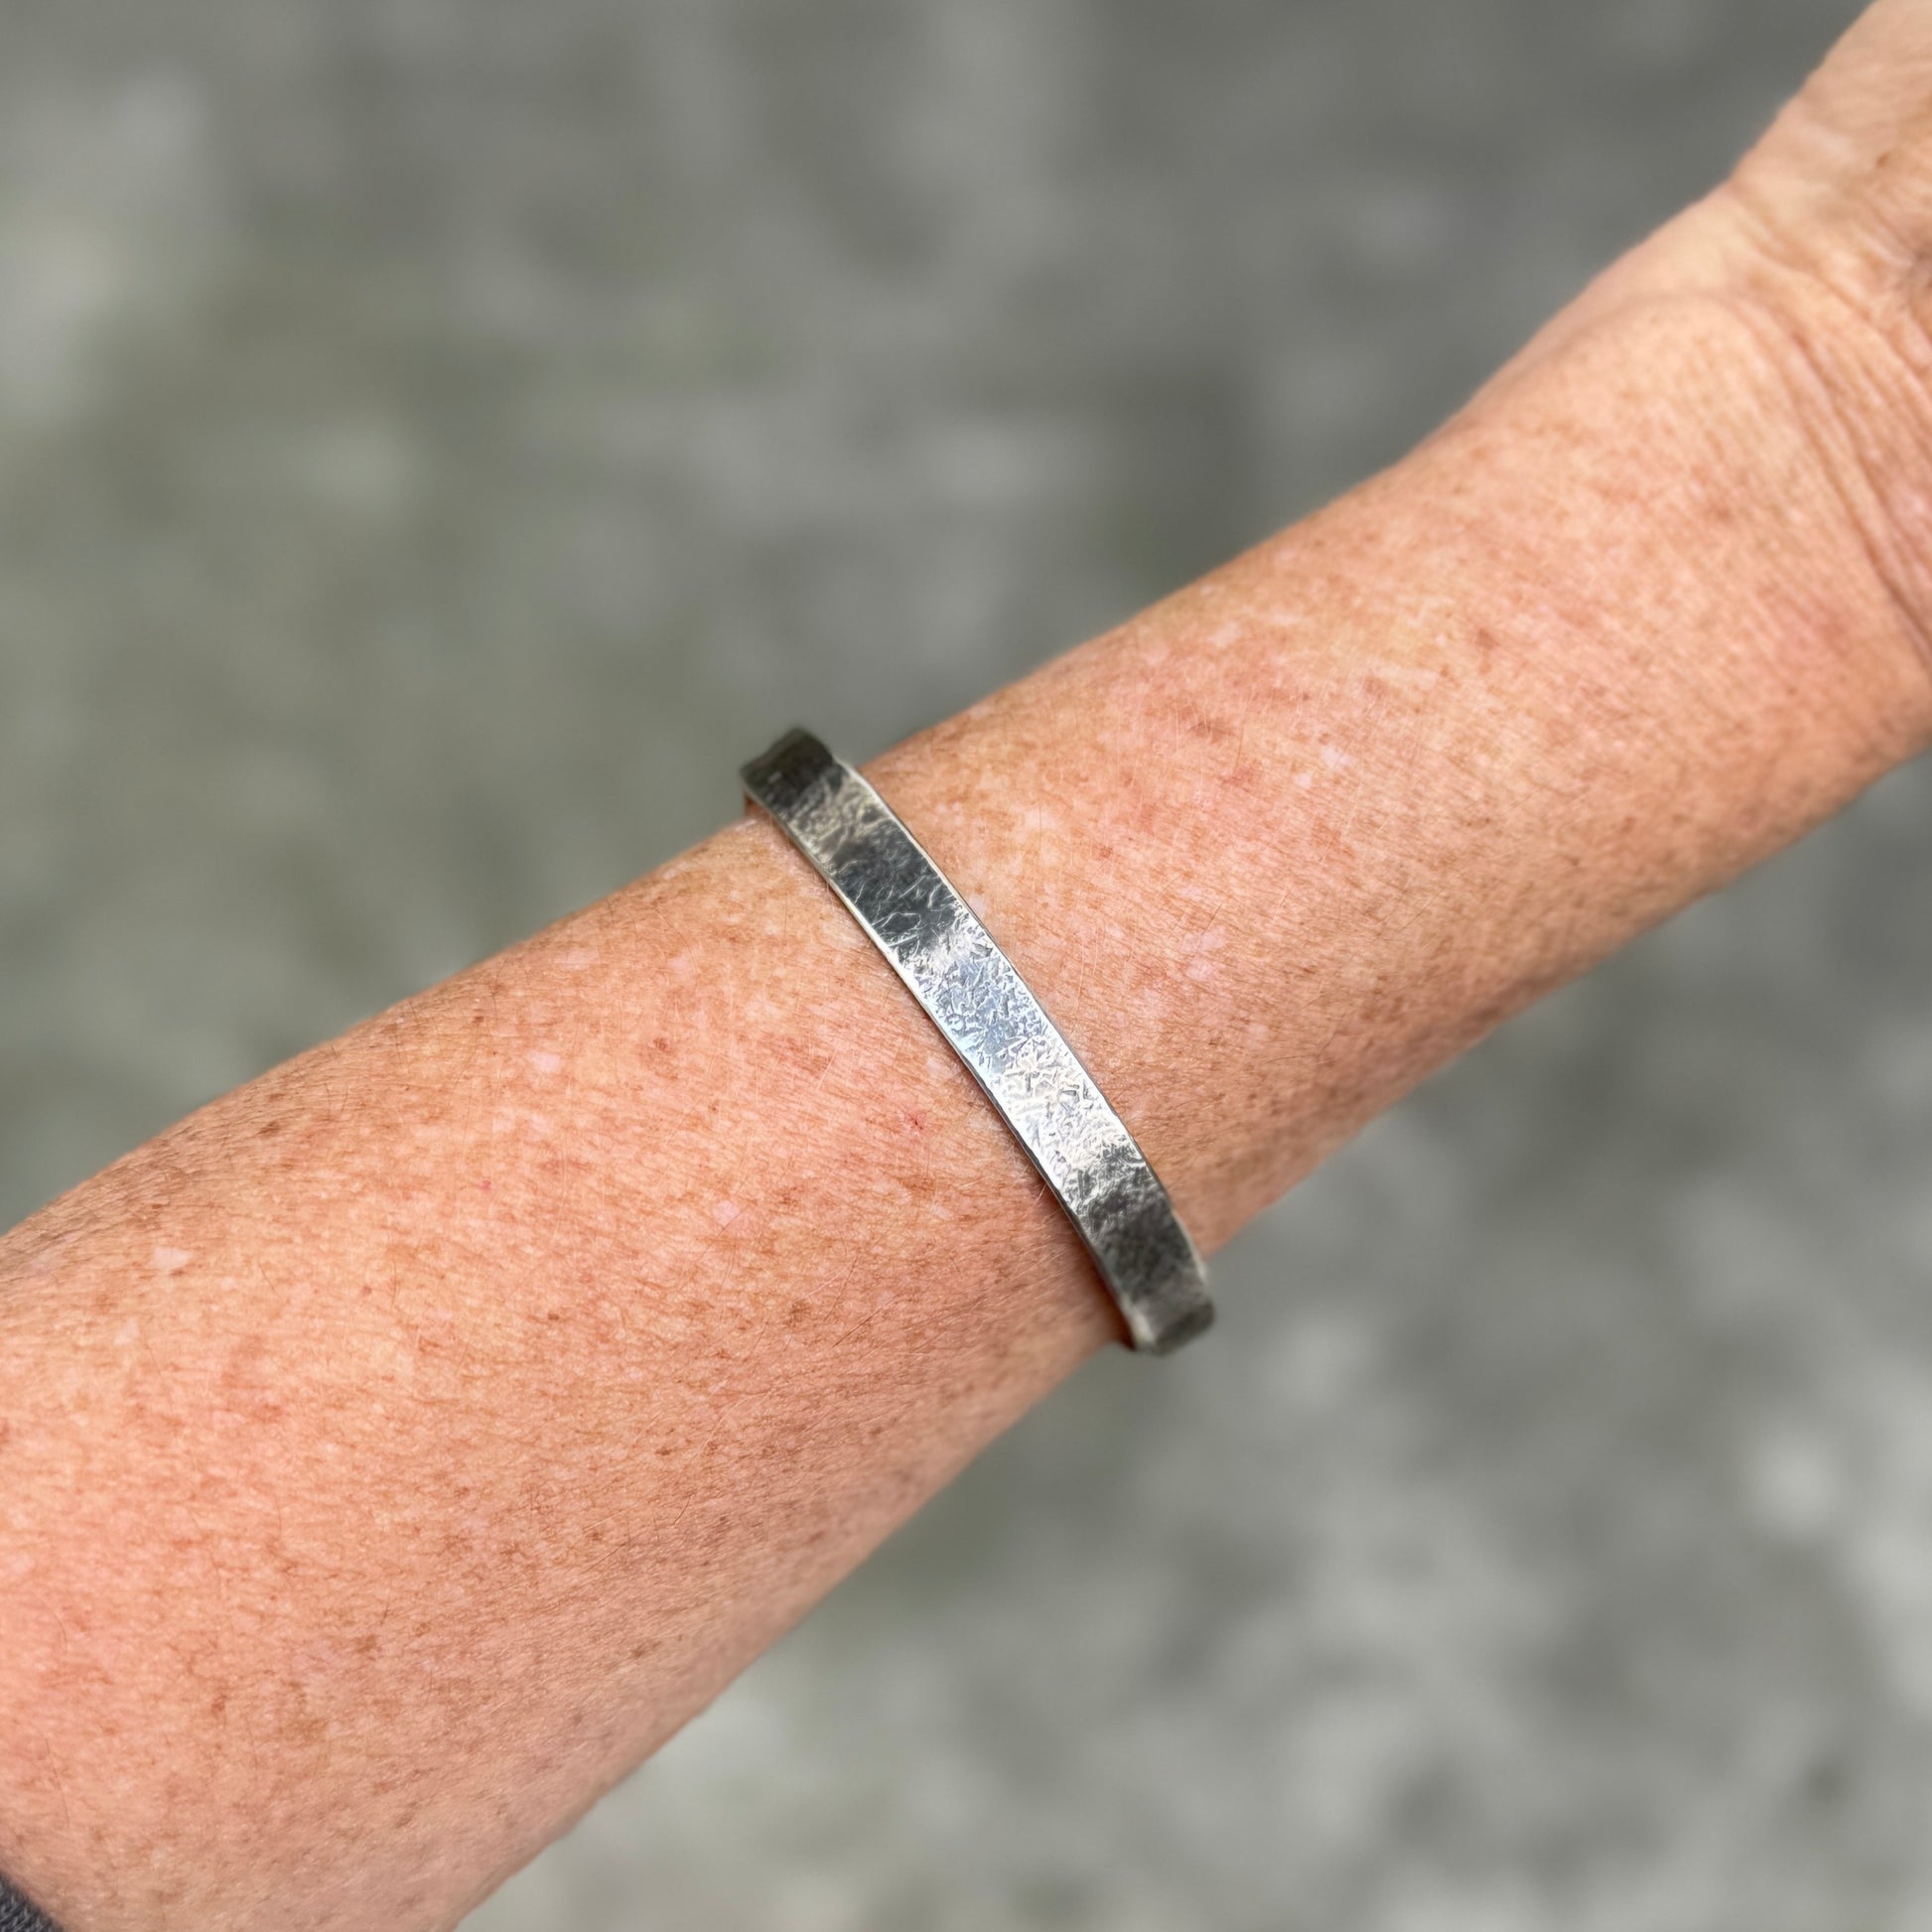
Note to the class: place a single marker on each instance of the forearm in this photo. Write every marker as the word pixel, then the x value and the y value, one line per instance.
pixel 401 1447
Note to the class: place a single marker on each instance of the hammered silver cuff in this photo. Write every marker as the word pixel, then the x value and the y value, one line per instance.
pixel 991 1019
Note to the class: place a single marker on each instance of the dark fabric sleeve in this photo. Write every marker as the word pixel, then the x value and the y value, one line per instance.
pixel 17 1915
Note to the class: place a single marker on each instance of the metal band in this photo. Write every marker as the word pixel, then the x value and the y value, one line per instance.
pixel 995 1024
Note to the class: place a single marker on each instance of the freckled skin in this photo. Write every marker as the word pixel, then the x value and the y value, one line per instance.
pixel 383 1475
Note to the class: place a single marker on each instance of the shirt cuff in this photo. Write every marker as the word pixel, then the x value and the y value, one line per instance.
pixel 18 1914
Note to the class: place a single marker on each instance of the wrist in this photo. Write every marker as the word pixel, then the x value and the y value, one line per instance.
pixel 1823 235
pixel 1309 827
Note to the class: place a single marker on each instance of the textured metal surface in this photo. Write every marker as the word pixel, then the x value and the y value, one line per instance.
pixel 993 1022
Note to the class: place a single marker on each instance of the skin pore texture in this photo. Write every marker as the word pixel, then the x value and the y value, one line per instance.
pixel 403 1446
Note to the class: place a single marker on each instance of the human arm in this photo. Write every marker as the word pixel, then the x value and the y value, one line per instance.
pixel 1670 691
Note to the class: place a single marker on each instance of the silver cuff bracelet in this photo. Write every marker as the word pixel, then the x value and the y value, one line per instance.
pixel 973 994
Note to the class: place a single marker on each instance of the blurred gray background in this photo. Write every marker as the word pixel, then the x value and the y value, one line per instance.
pixel 439 438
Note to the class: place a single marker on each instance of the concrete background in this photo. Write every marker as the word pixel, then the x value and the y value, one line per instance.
pixel 439 438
